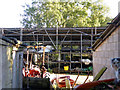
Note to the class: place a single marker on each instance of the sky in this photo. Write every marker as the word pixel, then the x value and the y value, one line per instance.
pixel 10 11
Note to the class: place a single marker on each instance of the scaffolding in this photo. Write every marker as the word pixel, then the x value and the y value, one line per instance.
pixel 66 41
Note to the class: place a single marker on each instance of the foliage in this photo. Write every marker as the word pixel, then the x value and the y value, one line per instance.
pixel 90 68
pixel 85 13
pixel 49 70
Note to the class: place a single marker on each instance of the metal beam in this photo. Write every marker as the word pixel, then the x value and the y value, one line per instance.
pixel 49 34
pixel 64 37
pixel 81 51
pixel 39 29
pixel 50 39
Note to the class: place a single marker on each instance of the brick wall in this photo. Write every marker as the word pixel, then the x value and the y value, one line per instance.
pixel 105 52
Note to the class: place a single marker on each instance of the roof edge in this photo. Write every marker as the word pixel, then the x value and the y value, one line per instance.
pixel 108 31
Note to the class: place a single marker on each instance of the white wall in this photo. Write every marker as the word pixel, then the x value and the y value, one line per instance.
pixel 10 77
pixel 105 52
pixel 5 65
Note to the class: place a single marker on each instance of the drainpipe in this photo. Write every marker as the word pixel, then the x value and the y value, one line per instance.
pixel 14 67
pixel 21 68
pixel 17 65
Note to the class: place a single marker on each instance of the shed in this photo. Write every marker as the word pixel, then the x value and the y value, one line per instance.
pixel 107 47
pixel 10 63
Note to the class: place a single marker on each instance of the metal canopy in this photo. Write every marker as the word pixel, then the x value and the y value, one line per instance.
pixel 82 37
pixel 48 35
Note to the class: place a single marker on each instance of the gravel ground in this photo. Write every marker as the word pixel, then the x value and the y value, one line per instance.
pixel 80 79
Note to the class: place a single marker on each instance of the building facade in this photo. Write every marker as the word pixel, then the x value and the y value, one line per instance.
pixel 6 63
pixel 10 64
pixel 106 48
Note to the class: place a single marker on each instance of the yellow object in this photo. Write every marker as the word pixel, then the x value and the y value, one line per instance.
pixel 66 68
pixel 35 46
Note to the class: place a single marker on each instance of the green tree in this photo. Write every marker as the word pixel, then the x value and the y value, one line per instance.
pixel 85 13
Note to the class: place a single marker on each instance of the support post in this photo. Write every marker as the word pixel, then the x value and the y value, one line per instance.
pixel 31 61
pixel 21 68
pixel 91 37
pixel 70 60
pixel 27 59
pixel 70 53
pixel 57 38
pixel 48 60
pixel 17 69
pixel 21 34
pixel 95 30
pixel 44 55
pixel 14 68
pixel 58 51
pixel 81 51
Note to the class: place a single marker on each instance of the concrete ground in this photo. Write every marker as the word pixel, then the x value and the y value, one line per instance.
pixel 80 79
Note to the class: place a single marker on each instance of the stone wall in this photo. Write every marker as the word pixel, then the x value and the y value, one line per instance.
pixel 105 52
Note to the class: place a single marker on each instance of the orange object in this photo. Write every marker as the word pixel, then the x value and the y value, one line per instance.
pixel 35 46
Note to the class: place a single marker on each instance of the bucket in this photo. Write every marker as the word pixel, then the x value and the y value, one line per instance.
pixel 66 68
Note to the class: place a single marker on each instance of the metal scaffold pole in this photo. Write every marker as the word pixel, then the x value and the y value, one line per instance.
pixel 70 53
pixel 48 60
pixel 81 51
pixel 58 51
pixel 21 31
pixel 14 68
pixel 91 37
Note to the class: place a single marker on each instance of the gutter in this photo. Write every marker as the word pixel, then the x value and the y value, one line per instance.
pixel 7 40
pixel 12 41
